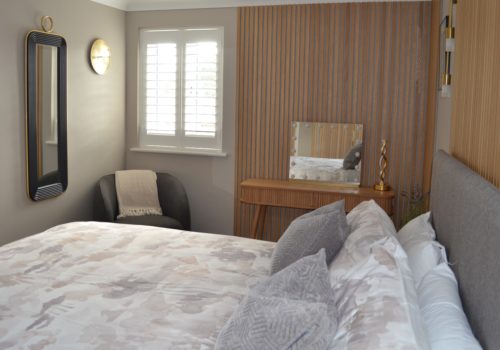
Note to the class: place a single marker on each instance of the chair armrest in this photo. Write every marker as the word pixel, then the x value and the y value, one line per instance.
pixel 105 200
pixel 173 199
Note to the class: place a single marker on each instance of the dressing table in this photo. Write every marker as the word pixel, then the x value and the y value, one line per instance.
pixel 328 153
pixel 304 195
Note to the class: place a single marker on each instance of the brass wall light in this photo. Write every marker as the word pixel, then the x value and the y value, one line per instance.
pixel 449 47
pixel 100 56
pixel 446 77
pixel 449 32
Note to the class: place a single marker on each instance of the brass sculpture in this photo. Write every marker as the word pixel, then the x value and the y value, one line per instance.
pixel 383 164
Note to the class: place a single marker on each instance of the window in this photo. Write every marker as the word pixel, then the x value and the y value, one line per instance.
pixel 180 89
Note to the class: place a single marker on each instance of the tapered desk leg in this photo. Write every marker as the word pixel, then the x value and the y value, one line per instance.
pixel 258 221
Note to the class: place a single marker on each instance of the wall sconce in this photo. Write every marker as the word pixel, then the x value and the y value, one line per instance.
pixel 449 47
pixel 449 32
pixel 446 76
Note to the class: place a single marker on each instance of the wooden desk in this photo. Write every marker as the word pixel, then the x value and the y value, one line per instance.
pixel 302 195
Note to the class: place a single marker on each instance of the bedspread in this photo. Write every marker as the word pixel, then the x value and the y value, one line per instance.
pixel 108 286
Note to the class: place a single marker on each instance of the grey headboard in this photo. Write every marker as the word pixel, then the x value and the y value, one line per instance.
pixel 466 215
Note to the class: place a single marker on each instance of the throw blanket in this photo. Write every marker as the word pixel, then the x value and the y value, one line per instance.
pixel 137 193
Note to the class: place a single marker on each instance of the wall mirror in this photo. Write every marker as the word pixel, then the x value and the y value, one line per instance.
pixel 47 168
pixel 328 152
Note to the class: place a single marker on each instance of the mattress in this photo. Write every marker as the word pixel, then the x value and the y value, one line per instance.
pixel 110 286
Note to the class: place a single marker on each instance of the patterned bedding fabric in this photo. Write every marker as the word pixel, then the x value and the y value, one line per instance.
pixel 373 287
pixel 108 286
pixel 321 169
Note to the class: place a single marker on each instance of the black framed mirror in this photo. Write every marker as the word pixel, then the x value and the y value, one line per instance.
pixel 47 160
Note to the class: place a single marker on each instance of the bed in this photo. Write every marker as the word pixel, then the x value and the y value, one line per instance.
pixel 109 286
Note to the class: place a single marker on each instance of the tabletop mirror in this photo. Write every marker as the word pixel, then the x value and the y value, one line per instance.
pixel 327 152
pixel 47 173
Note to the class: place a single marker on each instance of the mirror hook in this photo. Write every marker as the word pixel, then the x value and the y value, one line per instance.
pixel 47 24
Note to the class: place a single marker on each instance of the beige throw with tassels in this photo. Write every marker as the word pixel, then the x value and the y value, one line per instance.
pixel 137 193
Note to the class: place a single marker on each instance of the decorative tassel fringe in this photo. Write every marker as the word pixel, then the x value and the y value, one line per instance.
pixel 139 212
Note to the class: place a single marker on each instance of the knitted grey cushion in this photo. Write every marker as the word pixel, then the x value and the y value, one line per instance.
pixel 325 227
pixel 293 309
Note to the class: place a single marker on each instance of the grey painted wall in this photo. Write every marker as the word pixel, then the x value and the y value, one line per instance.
pixel 209 181
pixel 96 130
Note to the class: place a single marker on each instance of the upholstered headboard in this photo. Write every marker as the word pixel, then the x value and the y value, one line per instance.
pixel 466 215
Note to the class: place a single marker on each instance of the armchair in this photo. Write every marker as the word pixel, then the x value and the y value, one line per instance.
pixel 173 201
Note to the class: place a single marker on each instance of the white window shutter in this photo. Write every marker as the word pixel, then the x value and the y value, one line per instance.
pixel 200 102
pixel 161 86
pixel 181 92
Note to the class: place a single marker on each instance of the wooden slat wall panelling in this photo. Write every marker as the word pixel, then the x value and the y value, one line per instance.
pixel 475 121
pixel 344 63
pixel 431 95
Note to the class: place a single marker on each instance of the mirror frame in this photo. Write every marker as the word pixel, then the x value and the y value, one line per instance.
pixel 36 190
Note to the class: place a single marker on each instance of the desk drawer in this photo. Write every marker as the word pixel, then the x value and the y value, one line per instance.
pixel 279 197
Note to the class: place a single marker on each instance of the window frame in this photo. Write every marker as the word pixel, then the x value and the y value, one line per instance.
pixel 181 36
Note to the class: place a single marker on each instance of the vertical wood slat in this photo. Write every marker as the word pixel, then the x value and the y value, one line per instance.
pixel 475 120
pixel 329 141
pixel 357 63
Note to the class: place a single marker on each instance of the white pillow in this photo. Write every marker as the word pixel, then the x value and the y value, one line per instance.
pixel 423 256
pixel 368 211
pixel 369 223
pixel 418 240
pixel 373 287
pixel 441 308
pixel 418 228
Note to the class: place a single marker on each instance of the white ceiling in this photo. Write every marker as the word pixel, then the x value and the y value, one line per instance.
pixel 151 5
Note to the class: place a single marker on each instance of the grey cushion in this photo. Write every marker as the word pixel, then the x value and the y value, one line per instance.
pixel 353 157
pixel 151 220
pixel 325 227
pixel 335 207
pixel 293 309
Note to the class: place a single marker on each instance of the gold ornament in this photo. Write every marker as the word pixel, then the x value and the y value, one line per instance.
pixel 383 164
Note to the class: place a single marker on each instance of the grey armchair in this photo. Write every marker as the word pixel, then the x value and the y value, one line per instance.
pixel 173 201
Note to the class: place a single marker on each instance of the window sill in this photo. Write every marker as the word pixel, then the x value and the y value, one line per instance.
pixel 189 152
